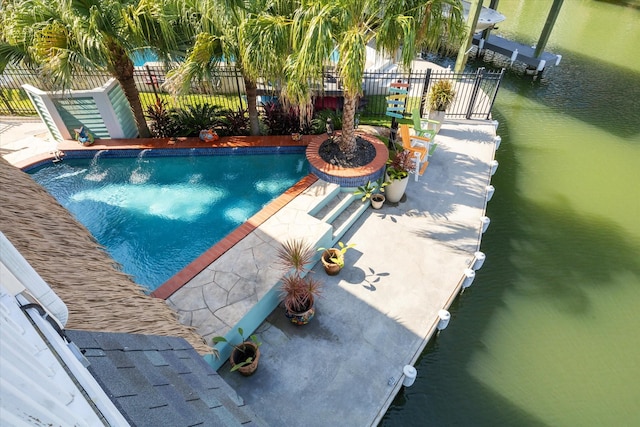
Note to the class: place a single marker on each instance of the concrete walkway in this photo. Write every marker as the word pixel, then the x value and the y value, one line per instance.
pixel 375 317
pixel 22 138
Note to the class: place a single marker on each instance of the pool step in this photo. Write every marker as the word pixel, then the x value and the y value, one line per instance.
pixel 334 206
pixel 340 210
pixel 345 220
pixel 330 191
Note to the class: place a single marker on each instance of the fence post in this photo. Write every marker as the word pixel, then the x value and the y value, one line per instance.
pixel 153 84
pixel 325 73
pixel 427 78
pixel 474 93
pixel 238 86
pixel 495 93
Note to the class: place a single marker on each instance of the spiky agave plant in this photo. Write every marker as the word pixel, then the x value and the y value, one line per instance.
pixel 295 254
pixel 298 293
pixel 297 289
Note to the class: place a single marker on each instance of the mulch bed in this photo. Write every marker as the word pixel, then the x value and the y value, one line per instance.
pixel 330 152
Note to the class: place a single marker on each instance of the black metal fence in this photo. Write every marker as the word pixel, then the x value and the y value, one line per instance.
pixel 475 92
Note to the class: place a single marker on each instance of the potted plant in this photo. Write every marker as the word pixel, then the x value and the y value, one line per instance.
pixel 244 356
pixel 377 200
pixel 333 258
pixel 398 168
pixel 298 290
pixel 439 98
pixel 373 191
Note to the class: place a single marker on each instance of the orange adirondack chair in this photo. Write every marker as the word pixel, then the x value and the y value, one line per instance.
pixel 419 145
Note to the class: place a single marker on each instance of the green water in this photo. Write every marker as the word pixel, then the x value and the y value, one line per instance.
pixel 549 333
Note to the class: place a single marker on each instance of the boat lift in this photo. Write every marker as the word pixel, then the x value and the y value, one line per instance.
pixel 534 57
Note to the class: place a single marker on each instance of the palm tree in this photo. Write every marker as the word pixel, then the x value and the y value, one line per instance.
pixel 255 34
pixel 349 25
pixel 63 37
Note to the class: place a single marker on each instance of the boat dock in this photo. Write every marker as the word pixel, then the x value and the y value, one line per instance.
pixel 516 52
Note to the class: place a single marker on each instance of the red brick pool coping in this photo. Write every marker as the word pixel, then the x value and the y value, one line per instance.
pixel 312 142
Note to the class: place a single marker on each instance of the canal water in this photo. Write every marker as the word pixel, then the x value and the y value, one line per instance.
pixel 549 332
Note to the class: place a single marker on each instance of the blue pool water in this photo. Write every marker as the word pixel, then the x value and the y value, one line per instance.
pixel 142 57
pixel 155 215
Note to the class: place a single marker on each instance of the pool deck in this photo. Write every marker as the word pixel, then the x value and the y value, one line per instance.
pixel 377 315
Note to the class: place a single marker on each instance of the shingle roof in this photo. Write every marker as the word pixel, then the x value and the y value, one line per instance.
pixel 161 381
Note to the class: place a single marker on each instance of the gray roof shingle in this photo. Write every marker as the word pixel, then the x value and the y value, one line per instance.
pixel 156 380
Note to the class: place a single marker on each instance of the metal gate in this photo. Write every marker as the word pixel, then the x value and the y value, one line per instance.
pixel 475 92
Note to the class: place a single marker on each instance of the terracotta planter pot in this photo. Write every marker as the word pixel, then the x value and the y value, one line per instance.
pixel 303 317
pixel 377 200
pixel 238 356
pixel 331 268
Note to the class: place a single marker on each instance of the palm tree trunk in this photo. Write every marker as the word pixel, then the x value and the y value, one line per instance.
pixel 252 105
pixel 122 69
pixel 348 141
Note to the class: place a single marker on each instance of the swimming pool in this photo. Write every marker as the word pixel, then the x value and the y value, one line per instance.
pixel 155 214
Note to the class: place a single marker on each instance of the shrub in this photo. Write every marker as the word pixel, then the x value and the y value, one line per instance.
pixel 195 118
pixel 319 122
pixel 280 121
pixel 162 122
pixel 234 123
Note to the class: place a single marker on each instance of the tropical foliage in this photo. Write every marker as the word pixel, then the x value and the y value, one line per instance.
pixel 282 43
pixel 254 34
pixel 234 123
pixel 162 123
pixel 348 27
pixel 167 122
pixel 400 165
pixel 280 120
pixel 319 121
pixel 64 37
